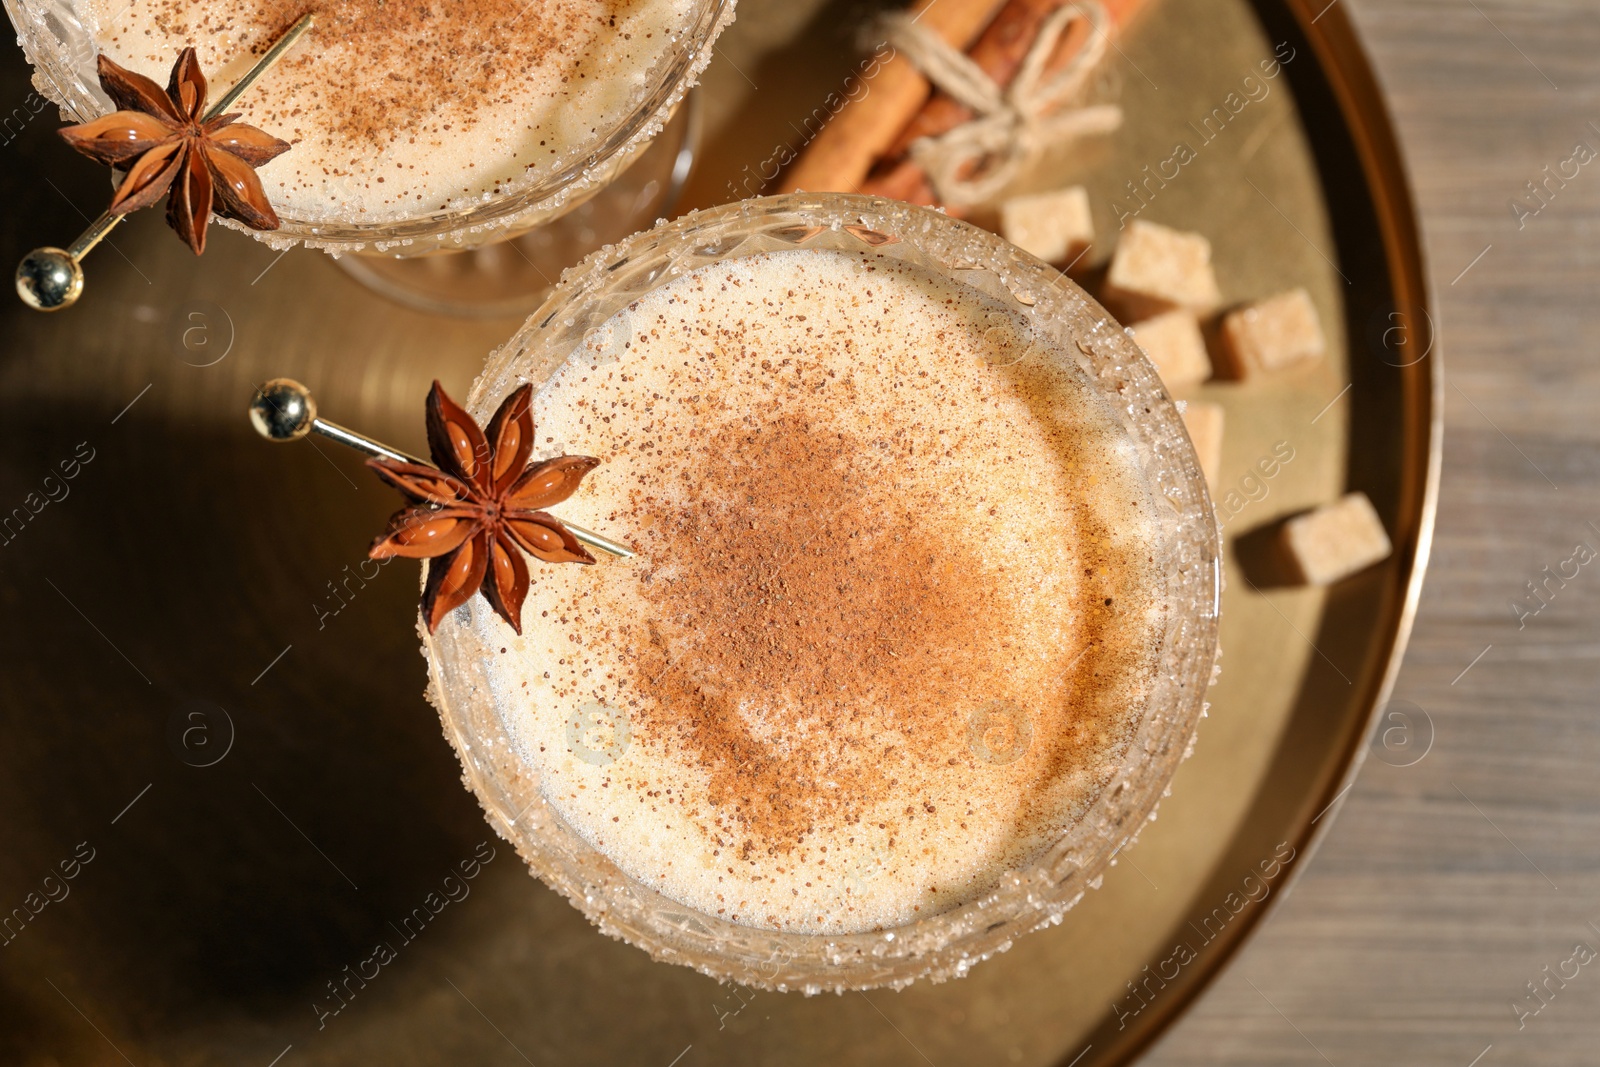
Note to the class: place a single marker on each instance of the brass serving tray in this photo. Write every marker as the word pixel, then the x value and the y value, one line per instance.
pixel 209 694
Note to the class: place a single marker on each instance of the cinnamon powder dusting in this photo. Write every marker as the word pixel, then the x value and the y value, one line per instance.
pixel 387 67
pixel 856 627
pixel 400 107
pixel 894 613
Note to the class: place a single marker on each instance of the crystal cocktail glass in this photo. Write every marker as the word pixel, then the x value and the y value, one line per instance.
pixel 1185 550
pixel 510 245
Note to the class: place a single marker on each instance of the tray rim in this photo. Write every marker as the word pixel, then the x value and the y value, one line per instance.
pixel 1344 63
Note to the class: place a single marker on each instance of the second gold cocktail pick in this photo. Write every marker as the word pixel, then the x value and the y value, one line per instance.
pixel 474 511
pixel 150 139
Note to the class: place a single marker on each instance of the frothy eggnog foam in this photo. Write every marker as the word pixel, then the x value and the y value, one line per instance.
pixel 894 615
pixel 400 108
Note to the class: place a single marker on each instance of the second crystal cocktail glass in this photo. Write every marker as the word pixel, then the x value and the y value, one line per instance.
pixel 623 158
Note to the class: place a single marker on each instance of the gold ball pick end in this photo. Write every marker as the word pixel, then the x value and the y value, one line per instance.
pixel 49 279
pixel 283 410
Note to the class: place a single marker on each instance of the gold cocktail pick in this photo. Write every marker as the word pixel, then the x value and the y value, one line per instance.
pixel 49 279
pixel 284 410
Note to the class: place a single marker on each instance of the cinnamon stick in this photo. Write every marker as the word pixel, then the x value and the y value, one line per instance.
pixel 999 51
pixel 840 156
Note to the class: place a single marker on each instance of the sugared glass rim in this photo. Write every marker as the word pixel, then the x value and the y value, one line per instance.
pixel 61 50
pixel 947 944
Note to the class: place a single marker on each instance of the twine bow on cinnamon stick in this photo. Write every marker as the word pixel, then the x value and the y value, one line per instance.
pixel 1014 125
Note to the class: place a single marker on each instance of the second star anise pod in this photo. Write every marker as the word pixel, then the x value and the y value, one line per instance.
pixel 164 142
pixel 476 514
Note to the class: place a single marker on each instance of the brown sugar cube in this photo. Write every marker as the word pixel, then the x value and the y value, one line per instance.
pixel 1054 226
pixel 1336 540
pixel 1175 345
pixel 1272 334
pixel 1156 269
pixel 1204 420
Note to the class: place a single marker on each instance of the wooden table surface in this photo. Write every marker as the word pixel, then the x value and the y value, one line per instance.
pixel 1446 887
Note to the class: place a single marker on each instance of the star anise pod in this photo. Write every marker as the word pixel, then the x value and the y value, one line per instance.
pixel 479 507
pixel 161 138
